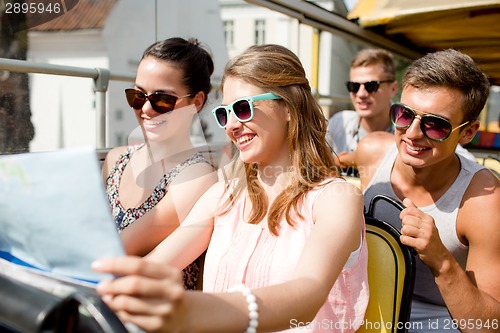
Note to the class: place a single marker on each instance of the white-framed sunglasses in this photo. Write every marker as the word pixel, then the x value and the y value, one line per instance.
pixel 242 109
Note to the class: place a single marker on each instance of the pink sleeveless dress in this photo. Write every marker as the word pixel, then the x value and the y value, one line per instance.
pixel 242 253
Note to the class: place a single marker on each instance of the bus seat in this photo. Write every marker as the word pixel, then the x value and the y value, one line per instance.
pixel 391 276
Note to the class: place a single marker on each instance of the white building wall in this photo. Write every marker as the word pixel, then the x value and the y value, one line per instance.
pixel 335 53
pixel 63 107
pixel 132 27
pixel 280 29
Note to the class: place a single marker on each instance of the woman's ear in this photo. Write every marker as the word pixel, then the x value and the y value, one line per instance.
pixel 469 132
pixel 288 118
pixel 199 100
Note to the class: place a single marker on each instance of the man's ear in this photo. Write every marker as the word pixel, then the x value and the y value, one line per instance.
pixel 469 132
pixel 394 88
pixel 199 99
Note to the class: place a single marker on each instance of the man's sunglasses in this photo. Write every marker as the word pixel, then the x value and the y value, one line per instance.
pixel 242 109
pixel 370 86
pixel 160 102
pixel 433 127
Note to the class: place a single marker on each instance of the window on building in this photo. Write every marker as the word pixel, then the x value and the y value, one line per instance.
pixel 120 139
pixel 229 33
pixel 119 115
pixel 260 32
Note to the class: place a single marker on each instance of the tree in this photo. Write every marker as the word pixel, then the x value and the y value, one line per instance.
pixel 16 128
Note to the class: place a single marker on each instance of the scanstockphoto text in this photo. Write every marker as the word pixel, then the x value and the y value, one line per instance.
pixel 431 324
pixel 327 324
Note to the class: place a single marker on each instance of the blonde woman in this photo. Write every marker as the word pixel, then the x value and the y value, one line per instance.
pixel 285 239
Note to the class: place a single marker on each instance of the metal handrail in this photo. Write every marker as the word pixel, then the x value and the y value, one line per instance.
pixel 24 66
pixel 101 77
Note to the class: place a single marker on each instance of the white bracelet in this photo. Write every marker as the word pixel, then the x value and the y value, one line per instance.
pixel 253 307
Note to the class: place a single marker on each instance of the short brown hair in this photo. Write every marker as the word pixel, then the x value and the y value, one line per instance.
pixel 452 69
pixel 370 57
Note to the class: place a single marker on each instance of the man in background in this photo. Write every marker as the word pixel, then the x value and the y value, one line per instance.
pixel 371 87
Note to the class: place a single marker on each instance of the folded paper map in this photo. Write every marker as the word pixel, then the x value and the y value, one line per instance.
pixel 54 216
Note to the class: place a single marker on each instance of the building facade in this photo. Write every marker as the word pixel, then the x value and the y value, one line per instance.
pixel 112 34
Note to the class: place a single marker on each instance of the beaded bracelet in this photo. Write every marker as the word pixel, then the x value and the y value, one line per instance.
pixel 253 308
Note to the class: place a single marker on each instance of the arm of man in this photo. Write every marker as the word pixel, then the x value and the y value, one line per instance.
pixel 346 159
pixel 151 299
pixel 369 154
pixel 472 296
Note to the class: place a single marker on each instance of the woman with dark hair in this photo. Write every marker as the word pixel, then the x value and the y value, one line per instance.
pixel 151 187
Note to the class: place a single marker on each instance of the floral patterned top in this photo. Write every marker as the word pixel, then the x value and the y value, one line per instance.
pixel 125 217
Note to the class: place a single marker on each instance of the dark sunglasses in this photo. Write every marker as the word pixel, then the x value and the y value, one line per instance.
pixel 160 102
pixel 370 86
pixel 433 127
pixel 242 109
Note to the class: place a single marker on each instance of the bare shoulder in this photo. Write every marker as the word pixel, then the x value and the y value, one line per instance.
pixel 483 186
pixel 370 152
pixel 341 187
pixel 114 153
pixel 338 213
pixel 195 171
pixel 340 194
pixel 480 211
pixel 374 144
pixel 111 158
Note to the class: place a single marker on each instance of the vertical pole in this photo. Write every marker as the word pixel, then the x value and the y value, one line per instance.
pixel 315 61
pixel 101 87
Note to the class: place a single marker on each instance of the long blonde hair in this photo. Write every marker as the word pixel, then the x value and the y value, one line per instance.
pixel 276 69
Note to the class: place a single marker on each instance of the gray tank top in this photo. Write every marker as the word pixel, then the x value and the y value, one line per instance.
pixel 444 211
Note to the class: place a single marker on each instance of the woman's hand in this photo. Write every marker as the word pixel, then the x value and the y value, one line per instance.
pixel 146 294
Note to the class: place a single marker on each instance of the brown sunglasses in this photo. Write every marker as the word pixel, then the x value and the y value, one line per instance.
pixel 160 102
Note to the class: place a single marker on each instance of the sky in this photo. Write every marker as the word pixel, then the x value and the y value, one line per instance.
pixel 349 3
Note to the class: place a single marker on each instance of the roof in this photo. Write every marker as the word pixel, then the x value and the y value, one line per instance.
pixel 73 15
pixel 470 26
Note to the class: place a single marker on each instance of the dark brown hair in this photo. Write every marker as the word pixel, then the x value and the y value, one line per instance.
pixel 189 55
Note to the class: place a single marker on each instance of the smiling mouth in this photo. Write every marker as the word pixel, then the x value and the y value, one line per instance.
pixel 244 139
pixel 363 105
pixel 413 148
pixel 153 123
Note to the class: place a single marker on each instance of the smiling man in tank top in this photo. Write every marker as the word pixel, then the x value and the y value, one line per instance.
pixel 452 214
